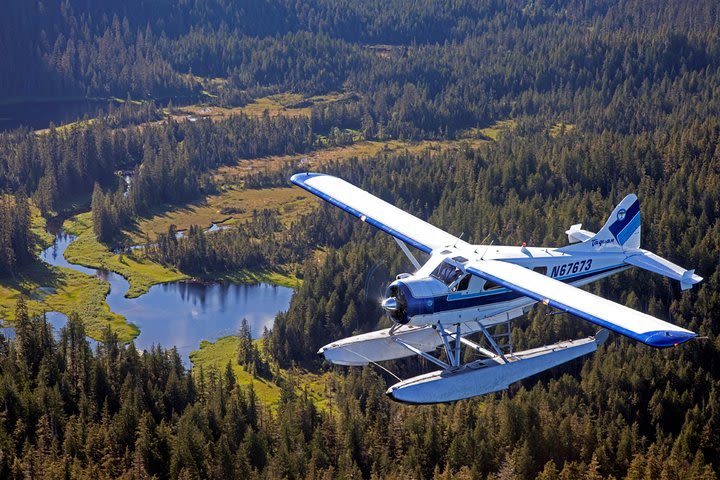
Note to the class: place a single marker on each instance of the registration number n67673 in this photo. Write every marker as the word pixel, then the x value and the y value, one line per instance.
pixel 571 268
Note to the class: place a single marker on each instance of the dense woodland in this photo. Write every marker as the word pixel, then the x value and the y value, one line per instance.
pixel 638 85
pixel 261 243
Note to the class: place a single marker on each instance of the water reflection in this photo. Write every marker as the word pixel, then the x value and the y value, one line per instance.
pixel 186 312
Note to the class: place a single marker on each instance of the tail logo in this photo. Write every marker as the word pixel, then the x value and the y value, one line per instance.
pixel 628 221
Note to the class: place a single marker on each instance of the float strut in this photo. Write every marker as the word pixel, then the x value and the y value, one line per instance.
pixel 492 342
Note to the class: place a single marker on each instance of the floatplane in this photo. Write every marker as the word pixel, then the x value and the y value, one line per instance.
pixel 466 289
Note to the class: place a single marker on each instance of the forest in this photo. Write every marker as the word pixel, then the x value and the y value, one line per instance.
pixel 606 98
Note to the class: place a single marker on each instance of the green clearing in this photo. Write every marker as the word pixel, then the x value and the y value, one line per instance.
pixel 498 128
pixel 55 289
pixel 87 251
pixel 493 132
pixel 67 126
pixel 287 104
pixel 234 204
pixel 216 355
pixel 284 277
pixel 47 288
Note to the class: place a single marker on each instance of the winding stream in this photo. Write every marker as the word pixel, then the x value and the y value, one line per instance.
pixel 183 313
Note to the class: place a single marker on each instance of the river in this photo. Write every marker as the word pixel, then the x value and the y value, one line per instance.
pixel 183 313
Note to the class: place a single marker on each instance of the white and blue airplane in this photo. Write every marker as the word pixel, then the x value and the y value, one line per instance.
pixel 465 289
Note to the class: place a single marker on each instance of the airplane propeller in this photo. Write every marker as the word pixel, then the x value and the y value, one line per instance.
pixel 395 305
pixel 376 283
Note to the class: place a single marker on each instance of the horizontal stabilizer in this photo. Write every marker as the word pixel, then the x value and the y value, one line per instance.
pixel 576 234
pixel 655 263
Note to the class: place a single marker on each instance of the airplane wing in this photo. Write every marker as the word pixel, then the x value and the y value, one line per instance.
pixel 619 318
pixel 376 212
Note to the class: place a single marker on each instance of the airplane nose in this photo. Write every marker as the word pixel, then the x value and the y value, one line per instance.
pixel 390 304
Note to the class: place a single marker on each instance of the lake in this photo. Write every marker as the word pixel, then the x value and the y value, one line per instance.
pixel 184 313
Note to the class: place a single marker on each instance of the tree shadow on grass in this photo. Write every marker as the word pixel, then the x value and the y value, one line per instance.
pixel 164 211
pixel 35 281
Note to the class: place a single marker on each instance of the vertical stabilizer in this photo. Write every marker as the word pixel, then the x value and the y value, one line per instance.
pixel 621 232
pixel 624 223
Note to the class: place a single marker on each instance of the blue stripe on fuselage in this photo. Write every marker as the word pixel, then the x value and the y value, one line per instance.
pixel 460 301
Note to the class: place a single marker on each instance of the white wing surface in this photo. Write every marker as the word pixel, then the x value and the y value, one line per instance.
pixel 619 318
pixel 376 212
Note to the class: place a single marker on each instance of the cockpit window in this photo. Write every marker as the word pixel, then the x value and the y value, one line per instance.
pixel 446 273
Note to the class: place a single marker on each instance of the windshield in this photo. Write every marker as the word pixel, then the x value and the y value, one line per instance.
pixel 446 273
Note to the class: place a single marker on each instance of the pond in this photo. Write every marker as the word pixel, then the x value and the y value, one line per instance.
pixel 183 313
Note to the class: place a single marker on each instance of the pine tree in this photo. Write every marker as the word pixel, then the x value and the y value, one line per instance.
pixel 245 350
pixel 24 335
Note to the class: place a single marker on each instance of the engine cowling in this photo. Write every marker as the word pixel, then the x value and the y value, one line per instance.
pixel 396 302
pixel 402 306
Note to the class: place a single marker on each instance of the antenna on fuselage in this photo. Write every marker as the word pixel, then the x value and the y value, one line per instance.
pixel 482 257
pixel 486 248
pixel 458 239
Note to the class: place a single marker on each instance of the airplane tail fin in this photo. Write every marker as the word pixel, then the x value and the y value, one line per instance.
pixel 621 232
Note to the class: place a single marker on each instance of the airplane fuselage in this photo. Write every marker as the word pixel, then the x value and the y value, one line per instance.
pixel 442 292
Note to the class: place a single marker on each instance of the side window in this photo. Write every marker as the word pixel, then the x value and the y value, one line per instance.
pixel 491 286
pixel 540 270
pixel 464 283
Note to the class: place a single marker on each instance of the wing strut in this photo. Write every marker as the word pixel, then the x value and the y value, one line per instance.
pixel 407 253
